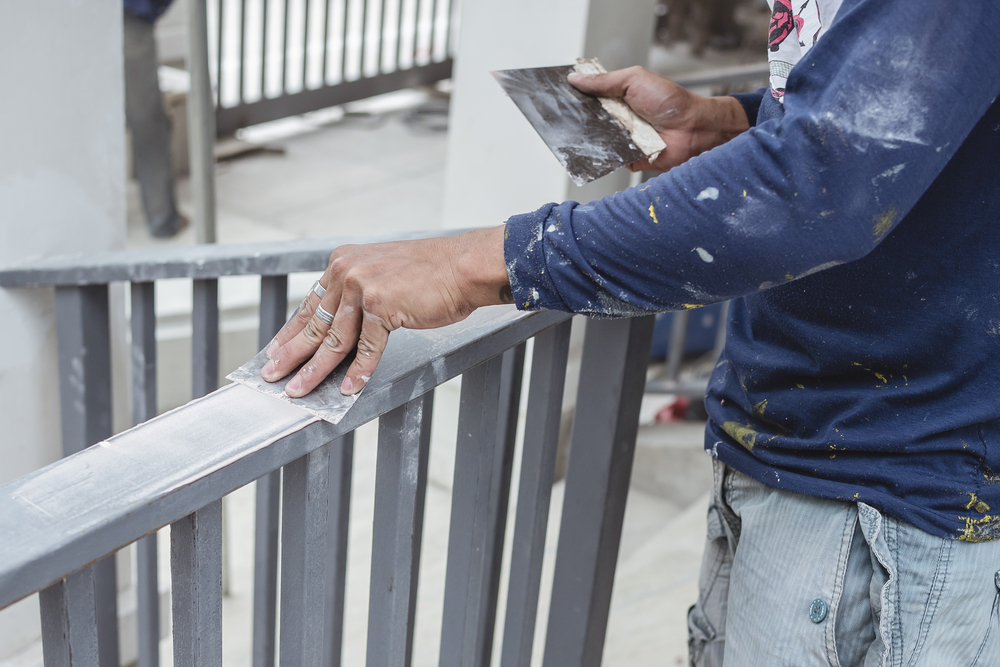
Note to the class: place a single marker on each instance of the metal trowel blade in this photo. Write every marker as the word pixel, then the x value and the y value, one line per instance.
pixel 587 140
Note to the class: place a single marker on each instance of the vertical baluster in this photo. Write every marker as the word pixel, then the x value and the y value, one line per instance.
pixel 144 408
pixel 343 41
pixel 196 583
pixel 399 35
pixel 417 6
pixel 538 460
pixel 612 376
pixel 447 31
pixel 341 463
pixel 85 406
pixel 380 69
pixel 205 337
pixel 304 523
pixel 720 331
pixel 273 309
pixel 678 339
pixel 69 626
pixel 201 123
pixel 263 49
pixel 326 42
pixel 218 57
pixel 284 48
pixel 243 39
pixel 400 489
pixel 305 41
pixel 483 458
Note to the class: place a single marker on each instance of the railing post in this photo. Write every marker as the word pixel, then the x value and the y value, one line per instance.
pixel 341 464
pixel 400 489
pixel 144 408
pixel 538 461
pixel 69 627
pixel 201 123
pixel 273 309
pixel 483 459
pixel 196 587
pixel 85 406
pixel 304 522
pixel 612 376
pixel 205 337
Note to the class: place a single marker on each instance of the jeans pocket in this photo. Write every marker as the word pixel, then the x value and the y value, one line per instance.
pixel 985 649
pixel 705 647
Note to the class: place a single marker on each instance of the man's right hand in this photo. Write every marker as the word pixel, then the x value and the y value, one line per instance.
pixel 689 124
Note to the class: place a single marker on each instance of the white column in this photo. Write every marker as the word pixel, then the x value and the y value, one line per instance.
pixel 497 165
pixel 62 189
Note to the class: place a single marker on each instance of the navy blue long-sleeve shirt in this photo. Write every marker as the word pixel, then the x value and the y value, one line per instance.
pixel 857 228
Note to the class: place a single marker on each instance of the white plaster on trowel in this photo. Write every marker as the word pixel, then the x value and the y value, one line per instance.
pixel 643 135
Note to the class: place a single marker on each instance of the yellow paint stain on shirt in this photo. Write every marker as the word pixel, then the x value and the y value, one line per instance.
pixel 690 306
pixel 882 223
pixel 744 193
pixel 741 433
pixel 801 386
pixel 652 214
pixel 880 377
pixel 978 504
pixel 760 408
pixel 985 529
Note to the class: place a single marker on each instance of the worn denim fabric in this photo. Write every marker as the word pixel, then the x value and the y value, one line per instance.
pixel 794 580
pixel 150 128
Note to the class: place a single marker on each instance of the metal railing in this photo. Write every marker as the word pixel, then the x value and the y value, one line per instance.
pixel 277 58
pixel 59 525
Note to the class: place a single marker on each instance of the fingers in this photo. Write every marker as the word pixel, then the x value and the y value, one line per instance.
pixel 371 344
pixel 284 358
pixel 612 84
pixel 336 344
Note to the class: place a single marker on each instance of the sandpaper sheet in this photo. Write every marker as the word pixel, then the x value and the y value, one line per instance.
pixel 325 401
pixel 586 139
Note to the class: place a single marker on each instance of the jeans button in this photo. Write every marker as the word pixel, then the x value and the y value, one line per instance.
pixel 817 612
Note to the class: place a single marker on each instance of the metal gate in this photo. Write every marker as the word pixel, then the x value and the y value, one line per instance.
pixel 276 58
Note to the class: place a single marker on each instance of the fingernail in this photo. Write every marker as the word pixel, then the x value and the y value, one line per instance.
pixel 269 369
pixel 576 76
pixel 347 388
pixel 272 349
pixel 294 385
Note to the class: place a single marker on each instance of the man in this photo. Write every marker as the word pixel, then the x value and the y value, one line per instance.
pixel 147 119
pixel 854 416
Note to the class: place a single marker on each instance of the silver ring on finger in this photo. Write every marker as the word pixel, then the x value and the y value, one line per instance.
pixel 324 317
pixel 318 289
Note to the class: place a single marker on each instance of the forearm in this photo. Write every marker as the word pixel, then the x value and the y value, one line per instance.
pixel 826 183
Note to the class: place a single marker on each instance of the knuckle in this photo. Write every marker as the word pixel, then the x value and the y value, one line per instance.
pixel 312 333
pixel 371 302
pixel 332 341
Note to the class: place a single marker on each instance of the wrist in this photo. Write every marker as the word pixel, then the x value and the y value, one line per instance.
pixel 480 269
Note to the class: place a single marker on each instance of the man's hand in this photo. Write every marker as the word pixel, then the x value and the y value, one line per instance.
pixel 689 124
pixel 374 289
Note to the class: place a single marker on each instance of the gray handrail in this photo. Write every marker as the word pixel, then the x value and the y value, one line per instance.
pixel 63 517
pixel 199 261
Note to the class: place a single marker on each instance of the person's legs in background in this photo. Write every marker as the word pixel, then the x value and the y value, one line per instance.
pixel 150 128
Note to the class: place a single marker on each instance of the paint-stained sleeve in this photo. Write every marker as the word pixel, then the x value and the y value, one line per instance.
pixel 751 103
pixel 872 114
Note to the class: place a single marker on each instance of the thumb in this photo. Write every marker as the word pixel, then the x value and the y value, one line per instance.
pixel 610 84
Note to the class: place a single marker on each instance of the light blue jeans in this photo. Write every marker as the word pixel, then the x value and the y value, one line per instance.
pixel 793 580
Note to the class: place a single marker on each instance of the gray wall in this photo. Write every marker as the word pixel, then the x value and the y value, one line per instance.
pixel 497 165
pixel 62 189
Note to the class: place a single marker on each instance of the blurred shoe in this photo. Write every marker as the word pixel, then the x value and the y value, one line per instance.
pixel 181 223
